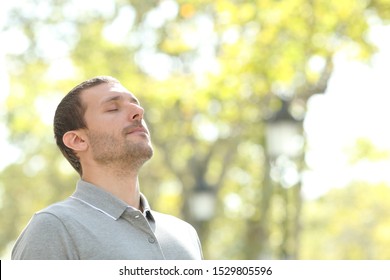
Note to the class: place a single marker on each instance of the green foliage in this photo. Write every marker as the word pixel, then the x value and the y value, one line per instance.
pixel 366 150
pixel 224 64
pixel 348 223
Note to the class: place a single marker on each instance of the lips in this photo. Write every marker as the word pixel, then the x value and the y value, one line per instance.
pixel 135 129
pixel 139 129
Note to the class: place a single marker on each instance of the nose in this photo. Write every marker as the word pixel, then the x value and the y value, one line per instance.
pixel 136 112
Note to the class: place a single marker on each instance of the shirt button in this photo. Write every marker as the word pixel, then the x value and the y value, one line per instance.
pixel 136 216
pixel 151 240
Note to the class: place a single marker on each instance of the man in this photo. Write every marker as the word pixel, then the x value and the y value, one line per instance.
pixel 99 128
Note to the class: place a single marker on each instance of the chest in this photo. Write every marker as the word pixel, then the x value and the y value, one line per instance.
pixel 131 237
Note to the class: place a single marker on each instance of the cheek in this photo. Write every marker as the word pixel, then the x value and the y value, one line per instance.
pixel 102 128
pixel 103 123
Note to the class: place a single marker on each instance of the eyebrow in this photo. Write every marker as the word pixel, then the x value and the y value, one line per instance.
pixel 118 98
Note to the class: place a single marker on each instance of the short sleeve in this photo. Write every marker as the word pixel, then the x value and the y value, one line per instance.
pixel 44 238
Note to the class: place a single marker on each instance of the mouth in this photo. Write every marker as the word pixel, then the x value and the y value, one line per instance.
pixel 139 129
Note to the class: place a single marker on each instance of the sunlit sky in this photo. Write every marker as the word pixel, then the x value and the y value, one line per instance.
pixel 356 105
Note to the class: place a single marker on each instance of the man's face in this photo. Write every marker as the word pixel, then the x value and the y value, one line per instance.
pixel 116 130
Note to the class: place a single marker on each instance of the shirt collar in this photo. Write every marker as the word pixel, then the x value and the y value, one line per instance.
pixel 145 207
pixel 105 202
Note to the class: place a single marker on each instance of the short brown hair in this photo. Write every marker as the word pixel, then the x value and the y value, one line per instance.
pixel 69 116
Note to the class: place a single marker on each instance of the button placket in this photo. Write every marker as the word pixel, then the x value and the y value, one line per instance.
pixel 142 223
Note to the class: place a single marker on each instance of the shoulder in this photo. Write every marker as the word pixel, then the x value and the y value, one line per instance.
pixel 66 212
pixel 45 236
pixel 51 215
pixel 169 218
pixel 172 222
pixel 60 209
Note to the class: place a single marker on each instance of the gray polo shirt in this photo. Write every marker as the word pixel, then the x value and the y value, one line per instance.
pixel 92 224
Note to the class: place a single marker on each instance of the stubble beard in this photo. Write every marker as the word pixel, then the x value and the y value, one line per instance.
pixel 123 154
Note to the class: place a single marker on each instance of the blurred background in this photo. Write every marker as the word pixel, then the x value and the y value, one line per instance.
pixel 269 118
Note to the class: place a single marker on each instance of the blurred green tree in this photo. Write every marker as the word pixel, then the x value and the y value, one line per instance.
pixel 348 223
pixel 208 72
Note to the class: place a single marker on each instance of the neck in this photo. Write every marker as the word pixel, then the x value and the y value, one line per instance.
pixel 123 185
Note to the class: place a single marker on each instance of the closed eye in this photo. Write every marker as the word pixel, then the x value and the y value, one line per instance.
pixel 113 110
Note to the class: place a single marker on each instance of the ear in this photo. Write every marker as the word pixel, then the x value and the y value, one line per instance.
pixel 75 140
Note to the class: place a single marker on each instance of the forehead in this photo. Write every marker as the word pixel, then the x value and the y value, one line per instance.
pixel 98 95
